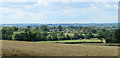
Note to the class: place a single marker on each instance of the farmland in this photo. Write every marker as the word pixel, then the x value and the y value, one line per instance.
pixel 67 41
pixel 10 48
pixel 60 41
pixel 59 28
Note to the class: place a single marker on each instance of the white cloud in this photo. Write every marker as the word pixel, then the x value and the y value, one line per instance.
pixel 93 6
pixel 107 5
pixel 60 0
pixel 21 15
pixel 70 12
pixel 39 3
pixel 18 14
pixel 92 13
pixel 27 22
pixel 116 6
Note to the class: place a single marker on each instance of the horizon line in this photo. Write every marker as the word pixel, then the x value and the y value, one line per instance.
pixel 59 23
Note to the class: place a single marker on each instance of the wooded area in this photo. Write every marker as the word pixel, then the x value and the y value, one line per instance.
pixel 52 33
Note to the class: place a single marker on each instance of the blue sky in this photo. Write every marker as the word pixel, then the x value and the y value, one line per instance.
pixel 59 12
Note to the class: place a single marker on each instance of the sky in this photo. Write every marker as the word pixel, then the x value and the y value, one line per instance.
pixel 58 12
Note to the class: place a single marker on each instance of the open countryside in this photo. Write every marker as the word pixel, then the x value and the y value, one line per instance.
pixel 60 41
pixel 59 28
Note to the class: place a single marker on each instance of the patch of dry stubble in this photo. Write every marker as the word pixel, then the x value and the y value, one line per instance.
pixel 21 48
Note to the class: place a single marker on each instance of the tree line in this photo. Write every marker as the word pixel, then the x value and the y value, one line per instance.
pixel 44 33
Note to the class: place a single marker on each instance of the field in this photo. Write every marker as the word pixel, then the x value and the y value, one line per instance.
pixel 21 48
pixel 68 41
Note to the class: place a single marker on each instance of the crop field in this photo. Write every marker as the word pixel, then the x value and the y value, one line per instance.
pixel 22 48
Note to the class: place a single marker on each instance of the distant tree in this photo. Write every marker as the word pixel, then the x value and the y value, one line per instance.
pixel 93 31
pixel 6 37
pixel 39 36
pixel 29 27
pixel 49 38
pixel 68 37
pixel 117 35
pixel 59 27
pixel 44 28
pixel 22 29
pixel 3 30
pixel 100 36
pixel 20 36
pixel 87 36
pixel 54 36
pixel 15 28
pixel 25 36
pixel 80 27
pixel 36 28
pixel 81 36
pixel 76 36
pixel 51 28
pixel 45 33
pixel 61 34
pixel 26 30
pixel 7 33
pixel 44 36
pixel 90 35
pixel 104 30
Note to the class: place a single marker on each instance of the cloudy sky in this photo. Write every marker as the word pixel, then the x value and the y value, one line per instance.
pixel 59 12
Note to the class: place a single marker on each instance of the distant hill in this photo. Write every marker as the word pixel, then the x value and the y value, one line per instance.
pixel 64 24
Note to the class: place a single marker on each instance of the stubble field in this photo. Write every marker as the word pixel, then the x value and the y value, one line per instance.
pixel 21 48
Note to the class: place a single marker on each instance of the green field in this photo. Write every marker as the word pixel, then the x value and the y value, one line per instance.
pixel 65 41
pixel 70 34
pixel 19 32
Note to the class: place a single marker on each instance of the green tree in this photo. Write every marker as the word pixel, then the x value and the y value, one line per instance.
pixel 68 37
pixel 61 34
pixel 14 28
pixel 59 27
pixel 80 27
pixel 117 35
pixel 87 36
pixel 29 27
pixel 90 35
pixel 93 31
pixel 44 28
pixel 22 29
pixel 36 28
pixel 7 33
pixel 100 36
pixel 76 36
pixel 20 36
pixel 81 36
pixel 49 38
pixel 54 36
